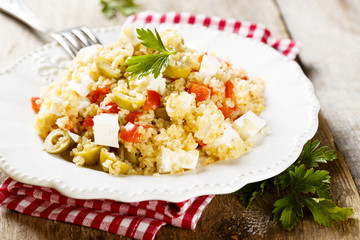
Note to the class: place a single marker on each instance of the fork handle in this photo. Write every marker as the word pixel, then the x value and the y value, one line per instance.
pixel 18 10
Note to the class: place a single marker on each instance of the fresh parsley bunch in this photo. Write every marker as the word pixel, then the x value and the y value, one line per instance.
pixel 125 7
pixel 300 186
pixel 153 63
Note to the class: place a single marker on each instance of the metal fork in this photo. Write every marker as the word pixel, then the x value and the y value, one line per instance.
pixel 72 40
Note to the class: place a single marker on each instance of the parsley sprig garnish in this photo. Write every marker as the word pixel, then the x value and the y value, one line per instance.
pixel 153 63
pixel 125 7
pixel 300 186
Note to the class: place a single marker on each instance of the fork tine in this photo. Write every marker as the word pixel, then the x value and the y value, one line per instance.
pixel 90 35
pixel 83 39
pixel 64 44
pixel 73 40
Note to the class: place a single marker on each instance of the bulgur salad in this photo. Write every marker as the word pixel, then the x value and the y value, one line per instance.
pixel 188 108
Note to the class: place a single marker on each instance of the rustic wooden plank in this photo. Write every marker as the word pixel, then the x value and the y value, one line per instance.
pixel 330 33
pixel 224 218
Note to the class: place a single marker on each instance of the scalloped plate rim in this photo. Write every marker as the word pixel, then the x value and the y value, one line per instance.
pixel 187 193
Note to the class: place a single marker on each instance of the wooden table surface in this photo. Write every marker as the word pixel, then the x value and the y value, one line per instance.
pixel 330 33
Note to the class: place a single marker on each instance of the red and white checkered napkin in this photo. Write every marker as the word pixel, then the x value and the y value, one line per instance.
pixel 141 220
pixel 289 48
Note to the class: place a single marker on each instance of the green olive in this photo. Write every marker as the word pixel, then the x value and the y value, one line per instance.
pixel 127 101
pixel 125 155
pixel 90 154
pixel 177 71
pixel 57 141
pixel 124 168
pixel 106 155
pixel 130 157
pixel 105 69
pixel 121 152
pixel 161 113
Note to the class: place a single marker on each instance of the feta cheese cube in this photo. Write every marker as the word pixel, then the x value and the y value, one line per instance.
pixel 206 121
pixel 189 159
pixel 167 159
pixel 248 125
pixel 209 120
pixel 209 66
pixel 140 83
pixel 87 53
pixel 81 86
pixel 175 160
pixel 56 105
pixel 130 32
pixel 64 122
pixel 157 84
pixel 106 129
pixel 178 105
pixel 84 103
pixel 149 83
pixel 107 164
pixel 229 136
pixel 74 136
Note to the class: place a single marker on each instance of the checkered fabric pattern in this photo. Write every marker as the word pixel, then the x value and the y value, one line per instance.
pixel 259 32
pixel 140 220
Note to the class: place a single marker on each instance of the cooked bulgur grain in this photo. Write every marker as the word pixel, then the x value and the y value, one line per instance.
pixel 193 117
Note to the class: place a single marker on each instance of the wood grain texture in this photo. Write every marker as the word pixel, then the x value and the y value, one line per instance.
pixel 330 33
pixel 224 218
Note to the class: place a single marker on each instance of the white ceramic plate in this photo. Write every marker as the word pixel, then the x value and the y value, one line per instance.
pixel 291 113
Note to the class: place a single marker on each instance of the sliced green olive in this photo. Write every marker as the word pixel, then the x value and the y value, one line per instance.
pixel 105 155
pixel 124 154
pixel 130 157
pixel 57 141
pixel 105 69
pixel 121 152
pixel 128 101
pixel 124 168
pixel 161 113
pixel 177 71
pixel 90 154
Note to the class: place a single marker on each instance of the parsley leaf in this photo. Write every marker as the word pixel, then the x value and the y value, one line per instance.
pixel 301 181
pixel 300 186
pixel 150 40
pixel 125 7
pixel 307 181
pixel 248 193
pixel 287 210
pixel 146 64
pixel 311 157
pixel 325 211
pixel 324 191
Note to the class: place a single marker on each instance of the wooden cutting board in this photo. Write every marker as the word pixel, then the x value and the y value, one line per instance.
pixel 225 217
